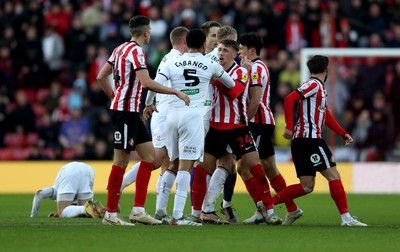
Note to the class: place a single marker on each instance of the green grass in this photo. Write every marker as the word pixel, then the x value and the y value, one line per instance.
pixel 319 229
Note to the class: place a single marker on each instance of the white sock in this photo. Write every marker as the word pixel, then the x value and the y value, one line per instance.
pixel 196 213
pixel 166 184
pixel 345 217
pixel 158 185
pixel 137 210
pixel 214 189
pixel 48 192
pixel 182 186
pixel 226 204
pixel 73 211
pixel 130 176
pixel 270 212
pixel 208 178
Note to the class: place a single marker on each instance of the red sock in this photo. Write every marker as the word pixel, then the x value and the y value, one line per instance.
pixel 279 184
pixel 199 187
pixel 142 182
pixel 251 186
pixel 114 188
pixel 263 185
pixel 338 195
pixel 289 193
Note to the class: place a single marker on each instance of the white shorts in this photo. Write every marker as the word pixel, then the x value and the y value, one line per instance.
pixel 75 182
pixel 185 134
pixel 158 128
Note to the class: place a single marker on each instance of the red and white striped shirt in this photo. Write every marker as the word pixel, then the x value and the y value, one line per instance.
pixel 259 76
pixel 231 113
pixel 126 59
pixel 311 109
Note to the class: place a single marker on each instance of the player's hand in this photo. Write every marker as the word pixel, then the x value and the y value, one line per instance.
pixel 184 97
pixel 246 63
pixel 148 111
pixel 53 215
pixel 347 140
pixel 288 134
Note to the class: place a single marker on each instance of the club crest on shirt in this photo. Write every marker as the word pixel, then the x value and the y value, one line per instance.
pixel 141 60
pixel 254 76
pixel 244 77
pixel 131 142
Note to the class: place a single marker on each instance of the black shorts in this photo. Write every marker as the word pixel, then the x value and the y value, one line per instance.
pixel 129 130
pixel 240 140
pixel 262 134
pixel 311 155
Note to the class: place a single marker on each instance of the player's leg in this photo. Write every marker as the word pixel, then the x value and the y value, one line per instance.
pixel 48 192
pixel 338 195
pixel 228 160
pixel 167 182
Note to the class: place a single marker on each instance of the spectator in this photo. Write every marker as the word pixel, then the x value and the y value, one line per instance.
pixel 47 133
pixel 75 100
pixel 51 100
pixel 53 51
pixel 22 115
pixel 74 131
pixel 394 98
pixel 290 74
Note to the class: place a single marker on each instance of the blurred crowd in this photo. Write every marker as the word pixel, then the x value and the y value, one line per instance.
pixel 51 51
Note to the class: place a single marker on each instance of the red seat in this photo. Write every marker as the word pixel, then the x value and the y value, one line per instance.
pixel 30 94
pixel 14 139
pixel 38 109
pixel 41 93
pixel 6 154
pixel 21 153
pixel 32 138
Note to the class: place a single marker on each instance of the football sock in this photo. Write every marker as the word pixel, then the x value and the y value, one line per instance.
pixel 158 185
pixel 73 211
pixel 142 181
pixel 229 187
pixel 289 193
pixel 216 183
pixel 263 185
pixel 182 184
pixel 199 187
pixel 130 176
pixel 251 186
pixel 167 182
pixel 114 188
pixel 279 183
pixel 48 192
pixel 338 195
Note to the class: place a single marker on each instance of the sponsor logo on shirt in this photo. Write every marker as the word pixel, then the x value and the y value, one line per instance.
pixel 190 91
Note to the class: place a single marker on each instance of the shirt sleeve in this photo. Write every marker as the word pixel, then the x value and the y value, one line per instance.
pixel 308 89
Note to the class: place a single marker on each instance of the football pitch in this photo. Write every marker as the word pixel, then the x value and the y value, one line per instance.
pixel 318 230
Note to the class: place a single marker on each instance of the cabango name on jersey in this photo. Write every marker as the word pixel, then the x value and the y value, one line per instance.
pixel 191 63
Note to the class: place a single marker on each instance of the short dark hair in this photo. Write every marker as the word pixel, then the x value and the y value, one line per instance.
pixel 251 40
pixel 138 24
pixel 317 64
pixel 195 38
pixel 230 43
pixel 207 26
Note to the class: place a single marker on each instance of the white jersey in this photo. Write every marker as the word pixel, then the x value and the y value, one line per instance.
pixel 162 99
pixel 191 74
pixel 213 55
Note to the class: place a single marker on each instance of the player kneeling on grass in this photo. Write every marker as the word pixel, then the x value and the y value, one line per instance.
pixel 73 191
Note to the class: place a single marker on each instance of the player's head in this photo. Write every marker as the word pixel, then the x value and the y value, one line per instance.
pixel 210 28
pixel 227 51
pixel 250 45
pixel 140 26
pixel 226 32
pixel 318 64
pixel 195 39
pixel 178 35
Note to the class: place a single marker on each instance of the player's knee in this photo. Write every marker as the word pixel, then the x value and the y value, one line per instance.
pixel 308 189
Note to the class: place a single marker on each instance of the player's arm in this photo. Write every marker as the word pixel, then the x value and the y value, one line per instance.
pixel 150 84
pixel 334 125
pixel 288 104
pixel 102 79
pixel 48 192
pixel 255 92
